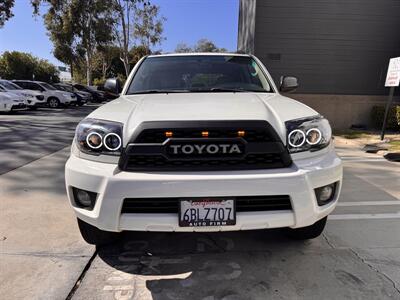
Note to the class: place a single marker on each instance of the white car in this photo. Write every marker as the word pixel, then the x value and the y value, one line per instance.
pixel 53 97
pixel 11 102
pixel 33 99
pixel 202 142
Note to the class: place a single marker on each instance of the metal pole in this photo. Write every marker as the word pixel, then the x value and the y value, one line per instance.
pixel 388 105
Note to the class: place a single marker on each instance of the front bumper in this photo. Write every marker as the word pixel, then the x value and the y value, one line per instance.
pixel 20 106
pixel 112 186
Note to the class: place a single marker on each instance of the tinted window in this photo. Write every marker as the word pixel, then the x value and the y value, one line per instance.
pixel 9 85
pixel 47 86
pixel 199 73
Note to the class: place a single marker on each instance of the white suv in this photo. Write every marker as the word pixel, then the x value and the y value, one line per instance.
pixel 33 98
pixel 10 101
pixel 202 142
pixel 53 97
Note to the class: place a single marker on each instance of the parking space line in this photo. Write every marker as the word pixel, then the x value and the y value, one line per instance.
pixel 365 216
pixel 369 203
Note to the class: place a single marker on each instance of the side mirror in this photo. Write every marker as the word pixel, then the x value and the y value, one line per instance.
pixel 288 84
pixel 113 86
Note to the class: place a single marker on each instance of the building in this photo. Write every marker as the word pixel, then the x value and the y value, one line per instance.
pixel 338 49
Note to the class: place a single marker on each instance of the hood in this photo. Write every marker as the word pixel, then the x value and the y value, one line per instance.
pixel 11 96
pixel 131 110
pixel 32 92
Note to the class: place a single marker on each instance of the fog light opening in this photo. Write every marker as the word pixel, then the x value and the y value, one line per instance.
pixel 84 199
pixel 325 194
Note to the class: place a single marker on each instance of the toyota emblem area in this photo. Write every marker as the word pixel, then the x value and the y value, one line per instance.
pixel 233 156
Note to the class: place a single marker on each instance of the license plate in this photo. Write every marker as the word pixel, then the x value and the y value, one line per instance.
pixel 207 212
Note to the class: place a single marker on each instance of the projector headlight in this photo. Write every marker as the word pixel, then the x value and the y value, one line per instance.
pixel 97 137
pixel 308 134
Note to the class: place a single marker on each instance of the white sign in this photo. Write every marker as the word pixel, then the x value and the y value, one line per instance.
pixel 393 74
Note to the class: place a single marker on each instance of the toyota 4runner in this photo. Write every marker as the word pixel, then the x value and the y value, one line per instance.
pixel 202 142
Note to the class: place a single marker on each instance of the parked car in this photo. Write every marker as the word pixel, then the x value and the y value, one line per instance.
pixel 34 99
pixel 81 96
pixel 53 97
pixel 98 96
pixel 10 101
pixel 202 142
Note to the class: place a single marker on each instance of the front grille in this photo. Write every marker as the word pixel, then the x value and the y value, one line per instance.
pixel 158 135
pixel 171 205
pixel 147 149
pixel 156 162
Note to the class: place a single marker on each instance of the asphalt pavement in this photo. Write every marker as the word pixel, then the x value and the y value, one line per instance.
pixel 42 255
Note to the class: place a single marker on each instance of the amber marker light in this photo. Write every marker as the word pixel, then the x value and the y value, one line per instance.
pixel 204 133
pixel 241 133
pixel 169 133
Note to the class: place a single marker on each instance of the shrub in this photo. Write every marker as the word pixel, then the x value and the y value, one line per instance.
pixel 378 113
pixel 398 114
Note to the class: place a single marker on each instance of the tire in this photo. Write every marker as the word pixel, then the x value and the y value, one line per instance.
pixel 53 102
pixel 94 236
pixel 307 233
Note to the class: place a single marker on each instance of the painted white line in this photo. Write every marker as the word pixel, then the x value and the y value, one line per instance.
pixel 369 203
pixel 365 216
pixel 363 159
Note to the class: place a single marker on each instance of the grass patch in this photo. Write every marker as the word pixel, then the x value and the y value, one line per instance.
pixel 352 134
pixel 394 145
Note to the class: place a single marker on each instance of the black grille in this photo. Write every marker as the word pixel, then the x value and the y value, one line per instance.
pixel 158 135
pixel 147 150
pixel 171 205
pixel 251 161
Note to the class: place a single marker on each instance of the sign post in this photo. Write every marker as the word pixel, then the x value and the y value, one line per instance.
pixel 392 80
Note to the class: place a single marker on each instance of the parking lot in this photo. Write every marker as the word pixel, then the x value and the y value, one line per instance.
pixel 42 255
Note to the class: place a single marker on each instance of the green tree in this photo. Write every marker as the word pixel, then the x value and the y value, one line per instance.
pixel 205 45
pixel 20 65
pixel 124 12
pixel 148 27
pixel 6 11
pixel 183 48
pixel 85 26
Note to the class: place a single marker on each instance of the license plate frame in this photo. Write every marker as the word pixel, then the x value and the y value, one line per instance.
pixel 200 205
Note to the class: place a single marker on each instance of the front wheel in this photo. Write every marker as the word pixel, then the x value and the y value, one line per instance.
pixel 94 236
pixel 306 233
pixel 53 102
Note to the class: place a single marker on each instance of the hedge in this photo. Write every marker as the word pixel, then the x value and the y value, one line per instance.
pixel 393 122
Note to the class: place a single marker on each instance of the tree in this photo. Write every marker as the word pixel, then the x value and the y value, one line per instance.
pixel 87 23
pixel 123 12
pixel 148 27
pixel 205 45
pixel 20 65
pixel 5 11
pixel 202 45
pixel 66 49
pixel 183 48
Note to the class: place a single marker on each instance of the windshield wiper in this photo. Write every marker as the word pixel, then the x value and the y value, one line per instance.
pixel 159 91
pixel 222 89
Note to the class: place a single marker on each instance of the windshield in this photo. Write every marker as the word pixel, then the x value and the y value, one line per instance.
pixel 9 85
pixel 199 73
pixel 47 86
pixel 66 88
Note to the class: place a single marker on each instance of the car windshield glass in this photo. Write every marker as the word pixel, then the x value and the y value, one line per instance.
pixel 64 88
pixel 9 85
pixel 199 73
pixel 47 86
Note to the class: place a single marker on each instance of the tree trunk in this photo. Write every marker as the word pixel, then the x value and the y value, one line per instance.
pixel 88 70
pixel 71 70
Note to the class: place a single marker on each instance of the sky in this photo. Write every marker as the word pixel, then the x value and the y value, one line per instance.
pixel 187 22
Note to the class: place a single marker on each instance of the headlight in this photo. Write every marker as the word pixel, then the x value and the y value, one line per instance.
pixel 309 134
pixel 66 95
pixel 99 137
